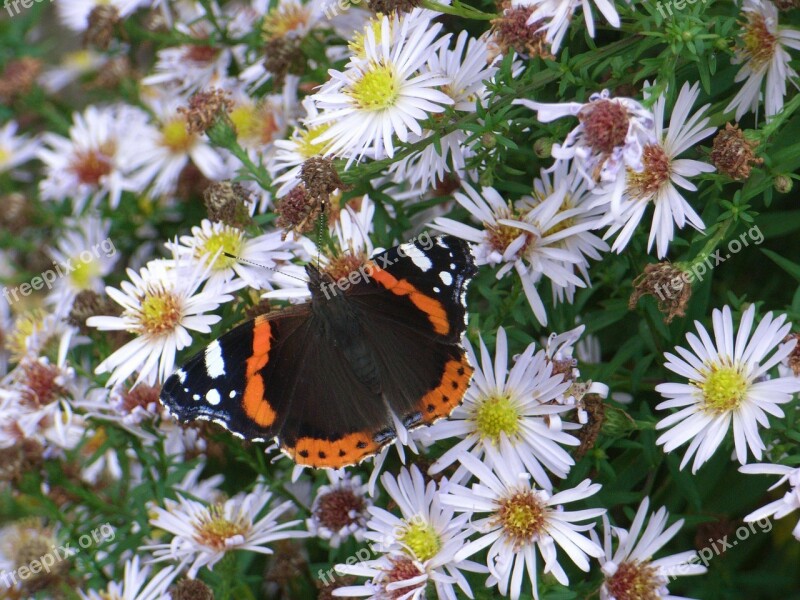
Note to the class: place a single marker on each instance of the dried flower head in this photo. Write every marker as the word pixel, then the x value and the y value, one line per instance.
pixel 18 77
pixel 283 56
pixel 670 286
pixel 595 409
pixel 205 109
pixel 101 26
pixel 511 32
pixel 89 303
pixel 298 211
pixel 387 7
pixel 320 177
pixel 228 202
pixel 733 154
pixel 191 589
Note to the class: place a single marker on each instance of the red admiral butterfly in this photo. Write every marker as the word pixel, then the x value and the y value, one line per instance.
pixel 324 377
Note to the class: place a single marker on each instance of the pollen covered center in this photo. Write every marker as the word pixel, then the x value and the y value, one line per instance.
pixel 656 171
pixel 422 540
pixel 759 41
pixel 635 581
pixel 227 240
pixel 523 517
pixel 176 138
pixel 724 389
pixel 215 530
pixel 496 415
pixel 160 313
pixel 378 88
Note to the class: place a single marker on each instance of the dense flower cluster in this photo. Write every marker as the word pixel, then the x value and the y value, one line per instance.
pixel 179 166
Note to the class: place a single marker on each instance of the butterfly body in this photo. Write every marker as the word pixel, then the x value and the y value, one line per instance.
pixel 330 378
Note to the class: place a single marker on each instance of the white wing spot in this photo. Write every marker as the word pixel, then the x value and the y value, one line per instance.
pixel 446 278
pixel 212 397
pixel 436 289
pixel 196 397
pixel 181 374
pixel 440 242
pixel 215 364
pixel 418 257
pixel 453 266
pixel 232 394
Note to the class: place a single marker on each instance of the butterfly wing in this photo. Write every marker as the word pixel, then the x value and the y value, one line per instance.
pixel 276 376
pixel 415 309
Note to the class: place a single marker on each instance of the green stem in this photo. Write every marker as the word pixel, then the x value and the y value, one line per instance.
pixel 459 10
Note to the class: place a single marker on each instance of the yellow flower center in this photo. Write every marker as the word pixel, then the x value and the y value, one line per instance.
pixel 357 46
pixel 724 389
pixel 175 137
pixel 5 155
pixel 160 313
pixel 422 539
pixel 84 273
pixel 496 415
pixel 24 327
pixel 284 19
pixel 80 59
pixel 306 145
pixel 378 88
pixel 214 529
pixel 523 517
pixel 255 124
pixel 227 240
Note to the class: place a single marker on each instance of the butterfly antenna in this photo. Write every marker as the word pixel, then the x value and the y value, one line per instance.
pixel 319 236
pixel 254 264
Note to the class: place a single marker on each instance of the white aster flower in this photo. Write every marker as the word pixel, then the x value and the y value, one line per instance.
pixel 72 66
pixel 196 66
pixel 160 304
pixel 84 255
pixel 15 149
pixel 290 154
pixel 211 242
pixel 525 239
pixel 661 176
pixel 339 510
pixel 468 66
pixel 522 522
pixel 99 159
pixel 762 54
pixel 557 16
pixel 630 570
pixel 727 383
pixel 382 95
pixel 609 140
pixel 137 584
pixel 167 148
pixel 517 404
pixel 790 501
pixel 204 534
pixel 427 535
